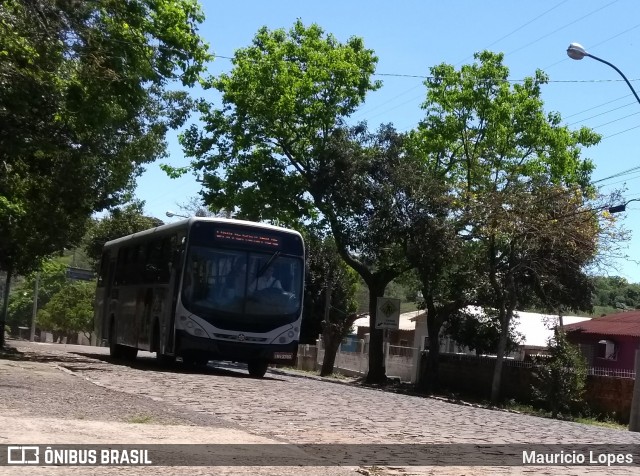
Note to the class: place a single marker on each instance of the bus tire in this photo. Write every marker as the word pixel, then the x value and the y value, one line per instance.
pixel 257 368
pixel 115 350
pixel 129 353
pixel 118 351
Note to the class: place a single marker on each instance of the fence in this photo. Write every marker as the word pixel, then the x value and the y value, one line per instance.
pixel 608 390
pixel 352 359
pixel 619 373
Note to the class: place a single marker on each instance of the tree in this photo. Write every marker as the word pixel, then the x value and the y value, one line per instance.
pixel 330 304
pixel 52 278
pixel 560 377
pixel 269 152
pixel 480 331
pixel 84 103
pixel 432 243
pixel 70 310
pixel 120 222
pixel 521 187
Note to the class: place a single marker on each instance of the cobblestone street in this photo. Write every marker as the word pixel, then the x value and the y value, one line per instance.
pixel 299 410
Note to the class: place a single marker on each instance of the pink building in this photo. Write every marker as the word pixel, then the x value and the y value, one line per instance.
pixel 608 342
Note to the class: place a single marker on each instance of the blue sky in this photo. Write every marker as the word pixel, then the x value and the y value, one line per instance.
pixel 411 36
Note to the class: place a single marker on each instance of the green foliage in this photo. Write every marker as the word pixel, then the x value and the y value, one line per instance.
pixel 615 292
pixel 278 149
pixel 324 266
pixel 561 377
pixel 70 310
pixel 84 103
pixel 261 153
pixel 120 222
pixel 517 184
pixel 480 332
pixel 52 277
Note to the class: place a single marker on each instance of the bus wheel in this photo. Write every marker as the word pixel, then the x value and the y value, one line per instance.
pixel 115 350
pixel 118 351
pixel 257 368
pixel 129 353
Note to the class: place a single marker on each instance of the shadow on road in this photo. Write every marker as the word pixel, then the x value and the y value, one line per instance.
pixel 10 353
pixel 82 360
pixel 221 369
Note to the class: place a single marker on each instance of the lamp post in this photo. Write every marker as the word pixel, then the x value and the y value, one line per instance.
pixel 171 214
pixel 623 207
pixel 576 51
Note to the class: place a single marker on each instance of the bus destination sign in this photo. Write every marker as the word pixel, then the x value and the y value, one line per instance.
pixel 248 238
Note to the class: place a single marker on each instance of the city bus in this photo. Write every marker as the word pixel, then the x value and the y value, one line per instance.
pixel 203 289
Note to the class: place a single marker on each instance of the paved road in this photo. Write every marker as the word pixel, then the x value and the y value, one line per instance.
pixel 304 410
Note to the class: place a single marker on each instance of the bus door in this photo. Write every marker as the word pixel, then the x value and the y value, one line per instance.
pixel 177 247
pixel 103 296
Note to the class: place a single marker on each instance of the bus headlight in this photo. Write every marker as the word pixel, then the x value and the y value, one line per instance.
pixel 192 327
pixel 286 337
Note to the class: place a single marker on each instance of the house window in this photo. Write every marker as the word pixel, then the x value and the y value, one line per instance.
pixel 607 350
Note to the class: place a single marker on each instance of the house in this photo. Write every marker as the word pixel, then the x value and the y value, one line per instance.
pixel 535 329
pixel 403 336
pixel 608 342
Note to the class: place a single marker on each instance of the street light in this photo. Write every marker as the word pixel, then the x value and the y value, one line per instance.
pixel 622 208
pixel 576 51
pixel 171 214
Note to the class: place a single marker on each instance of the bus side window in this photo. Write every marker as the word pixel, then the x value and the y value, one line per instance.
pixel 121 267
pixel 104 268
pixel 166 259
pixel 132 265
pixel 154 263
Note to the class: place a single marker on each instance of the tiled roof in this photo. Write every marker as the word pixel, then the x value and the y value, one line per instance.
pixel 619 324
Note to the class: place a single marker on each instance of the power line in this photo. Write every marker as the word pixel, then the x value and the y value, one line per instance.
pixel 561 28
pixel 516 30
pixel 594 46
pixel 618 133
pixel 618 174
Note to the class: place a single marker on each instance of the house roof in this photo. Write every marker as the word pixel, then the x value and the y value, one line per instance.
pixel 538 328
pixel 619 324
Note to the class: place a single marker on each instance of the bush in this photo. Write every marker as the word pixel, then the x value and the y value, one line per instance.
pixel 560 377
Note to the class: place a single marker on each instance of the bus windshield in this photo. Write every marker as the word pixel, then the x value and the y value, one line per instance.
pixel 220 281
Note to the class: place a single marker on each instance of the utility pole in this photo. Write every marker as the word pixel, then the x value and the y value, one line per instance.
pixel 35 308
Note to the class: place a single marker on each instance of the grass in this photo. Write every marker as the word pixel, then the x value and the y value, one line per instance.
pixel 606 421
pixel 140 419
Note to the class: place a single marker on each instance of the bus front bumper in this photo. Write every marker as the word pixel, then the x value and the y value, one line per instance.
pixel 215 349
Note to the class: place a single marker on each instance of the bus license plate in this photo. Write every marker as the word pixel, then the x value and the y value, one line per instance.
pixel 283 355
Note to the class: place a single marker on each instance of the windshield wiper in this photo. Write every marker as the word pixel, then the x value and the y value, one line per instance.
pixel 265 266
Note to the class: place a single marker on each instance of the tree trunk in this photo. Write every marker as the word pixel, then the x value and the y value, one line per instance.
pixel 5 306
pixel 429 377
pixel 331 345
pixel 377 371
pixel 505 320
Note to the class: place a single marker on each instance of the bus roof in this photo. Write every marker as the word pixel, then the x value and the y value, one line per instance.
pixel 187 223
